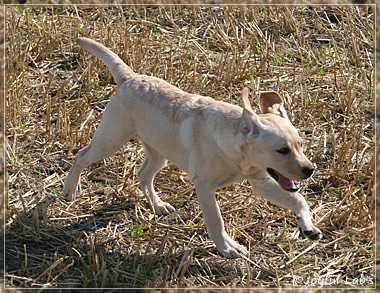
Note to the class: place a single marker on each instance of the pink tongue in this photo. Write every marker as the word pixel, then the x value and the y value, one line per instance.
pixel 286 183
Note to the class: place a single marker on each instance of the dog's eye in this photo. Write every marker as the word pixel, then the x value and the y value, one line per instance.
pixel 284 151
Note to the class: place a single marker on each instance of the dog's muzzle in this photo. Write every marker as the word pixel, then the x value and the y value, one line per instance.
pixel 289 184
pixel 285 183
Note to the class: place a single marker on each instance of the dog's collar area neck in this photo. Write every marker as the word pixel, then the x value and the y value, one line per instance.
pixel 284 182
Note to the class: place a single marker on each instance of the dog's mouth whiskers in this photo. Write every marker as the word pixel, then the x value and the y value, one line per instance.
pixel 285 183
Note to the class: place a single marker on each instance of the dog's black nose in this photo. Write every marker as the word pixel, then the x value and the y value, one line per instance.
pixel 308 171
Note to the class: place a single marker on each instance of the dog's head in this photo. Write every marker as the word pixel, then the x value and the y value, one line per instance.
pixel 272 143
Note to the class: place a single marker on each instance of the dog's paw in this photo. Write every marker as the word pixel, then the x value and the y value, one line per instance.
pixel 163 208
pixel 70 187
pixel 307 228
pixel 67 194
pixel 314 234
pixel 231 249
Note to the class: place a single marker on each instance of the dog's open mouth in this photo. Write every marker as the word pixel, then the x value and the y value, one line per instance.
pixel 285 183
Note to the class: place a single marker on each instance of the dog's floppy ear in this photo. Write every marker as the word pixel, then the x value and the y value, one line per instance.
pixel 250 123
pixel 272 102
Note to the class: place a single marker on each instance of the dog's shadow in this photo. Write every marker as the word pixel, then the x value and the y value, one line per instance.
pixel 92 251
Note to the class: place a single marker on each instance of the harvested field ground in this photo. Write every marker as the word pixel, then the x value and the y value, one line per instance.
pixel 321 59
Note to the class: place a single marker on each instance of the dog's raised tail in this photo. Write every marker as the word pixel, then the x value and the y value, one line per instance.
pixel 119 70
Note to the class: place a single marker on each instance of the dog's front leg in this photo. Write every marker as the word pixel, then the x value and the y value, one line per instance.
pixel 214 222
pixel 294 201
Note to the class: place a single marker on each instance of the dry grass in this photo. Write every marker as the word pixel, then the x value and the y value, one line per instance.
pixel 320 58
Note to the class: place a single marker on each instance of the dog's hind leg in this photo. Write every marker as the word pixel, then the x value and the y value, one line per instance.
pixel 152 164
pixel 112 133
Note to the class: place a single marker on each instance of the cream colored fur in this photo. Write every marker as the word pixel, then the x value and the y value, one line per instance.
pixel 215 142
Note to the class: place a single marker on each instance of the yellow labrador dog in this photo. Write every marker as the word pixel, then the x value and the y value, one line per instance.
pixel 215 142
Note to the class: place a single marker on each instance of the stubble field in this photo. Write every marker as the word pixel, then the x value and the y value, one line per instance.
pixel 321 59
